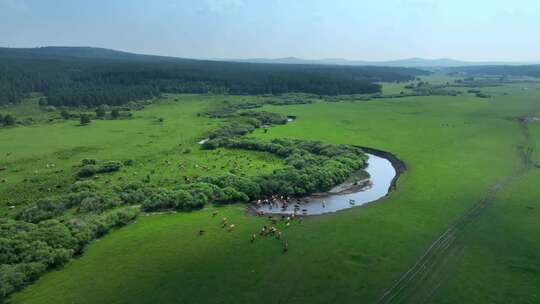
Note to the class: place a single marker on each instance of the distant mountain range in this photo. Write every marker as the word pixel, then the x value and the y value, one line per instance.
pixel 410 62
pixel 102 53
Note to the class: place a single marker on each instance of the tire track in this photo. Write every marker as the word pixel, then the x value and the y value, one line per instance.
pixel 423 279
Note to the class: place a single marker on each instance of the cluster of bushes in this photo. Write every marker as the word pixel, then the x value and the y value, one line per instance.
pixel 193 196
pixel 101 113
pixel 288 101
pixel 7 120
pixel 482 95
pixel 102 110
pixel 266 118
pixel 27 250
pixel 45 235
pixel 478 93
pixel 237 128
pixel 230 109
pixel 83 197
pixel 244 123
pixel 426 89
pixel 164 199
pixel 311 166
pixel 89 168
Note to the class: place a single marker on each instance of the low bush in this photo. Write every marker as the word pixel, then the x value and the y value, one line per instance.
pixel 90 168
pixel 86 171
pixel 27 250
pixel 164 199
pixel 108 167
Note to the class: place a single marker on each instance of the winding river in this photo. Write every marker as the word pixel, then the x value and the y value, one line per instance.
pixel 382 174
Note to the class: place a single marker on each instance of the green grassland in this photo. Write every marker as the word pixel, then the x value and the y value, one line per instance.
pixel 459 150
pixel 45 154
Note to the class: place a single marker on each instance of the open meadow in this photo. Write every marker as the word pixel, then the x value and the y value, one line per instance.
pixel 461 226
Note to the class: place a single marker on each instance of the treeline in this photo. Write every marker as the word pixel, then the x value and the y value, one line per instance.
pixel 91 81
pixel 503 70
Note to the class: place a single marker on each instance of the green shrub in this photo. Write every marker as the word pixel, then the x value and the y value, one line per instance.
pixel 109 167
pixel 44 209
pixel 86 171
pixel 8 120
pixel 231 195
pixel 64 114
pixel 86 185
pixel 101 111
pixel 197 202
pixel 115 113
pixel 85 119
pixel 98 202
pixel 88 161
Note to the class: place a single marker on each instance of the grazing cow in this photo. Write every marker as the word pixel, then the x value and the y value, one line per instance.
pixel 231 227
pixel 253 237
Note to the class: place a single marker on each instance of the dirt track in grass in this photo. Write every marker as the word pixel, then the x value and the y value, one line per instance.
pixel 420 282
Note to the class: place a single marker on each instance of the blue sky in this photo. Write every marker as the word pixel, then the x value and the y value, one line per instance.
pixel 353 29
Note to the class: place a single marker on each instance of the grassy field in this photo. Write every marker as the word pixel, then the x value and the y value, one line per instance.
pixel 41 156
pixel 460 151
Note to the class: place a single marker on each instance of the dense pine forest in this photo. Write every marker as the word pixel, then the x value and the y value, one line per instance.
pixel 90 76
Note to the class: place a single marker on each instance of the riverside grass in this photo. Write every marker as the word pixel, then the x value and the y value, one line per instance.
pixel 456 149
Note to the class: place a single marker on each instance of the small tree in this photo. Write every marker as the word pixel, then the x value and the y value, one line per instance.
pixel 64 114
pixel 9 120
pixel 100 112
pixel 115 113
pixel 42 101
pixel 85 119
